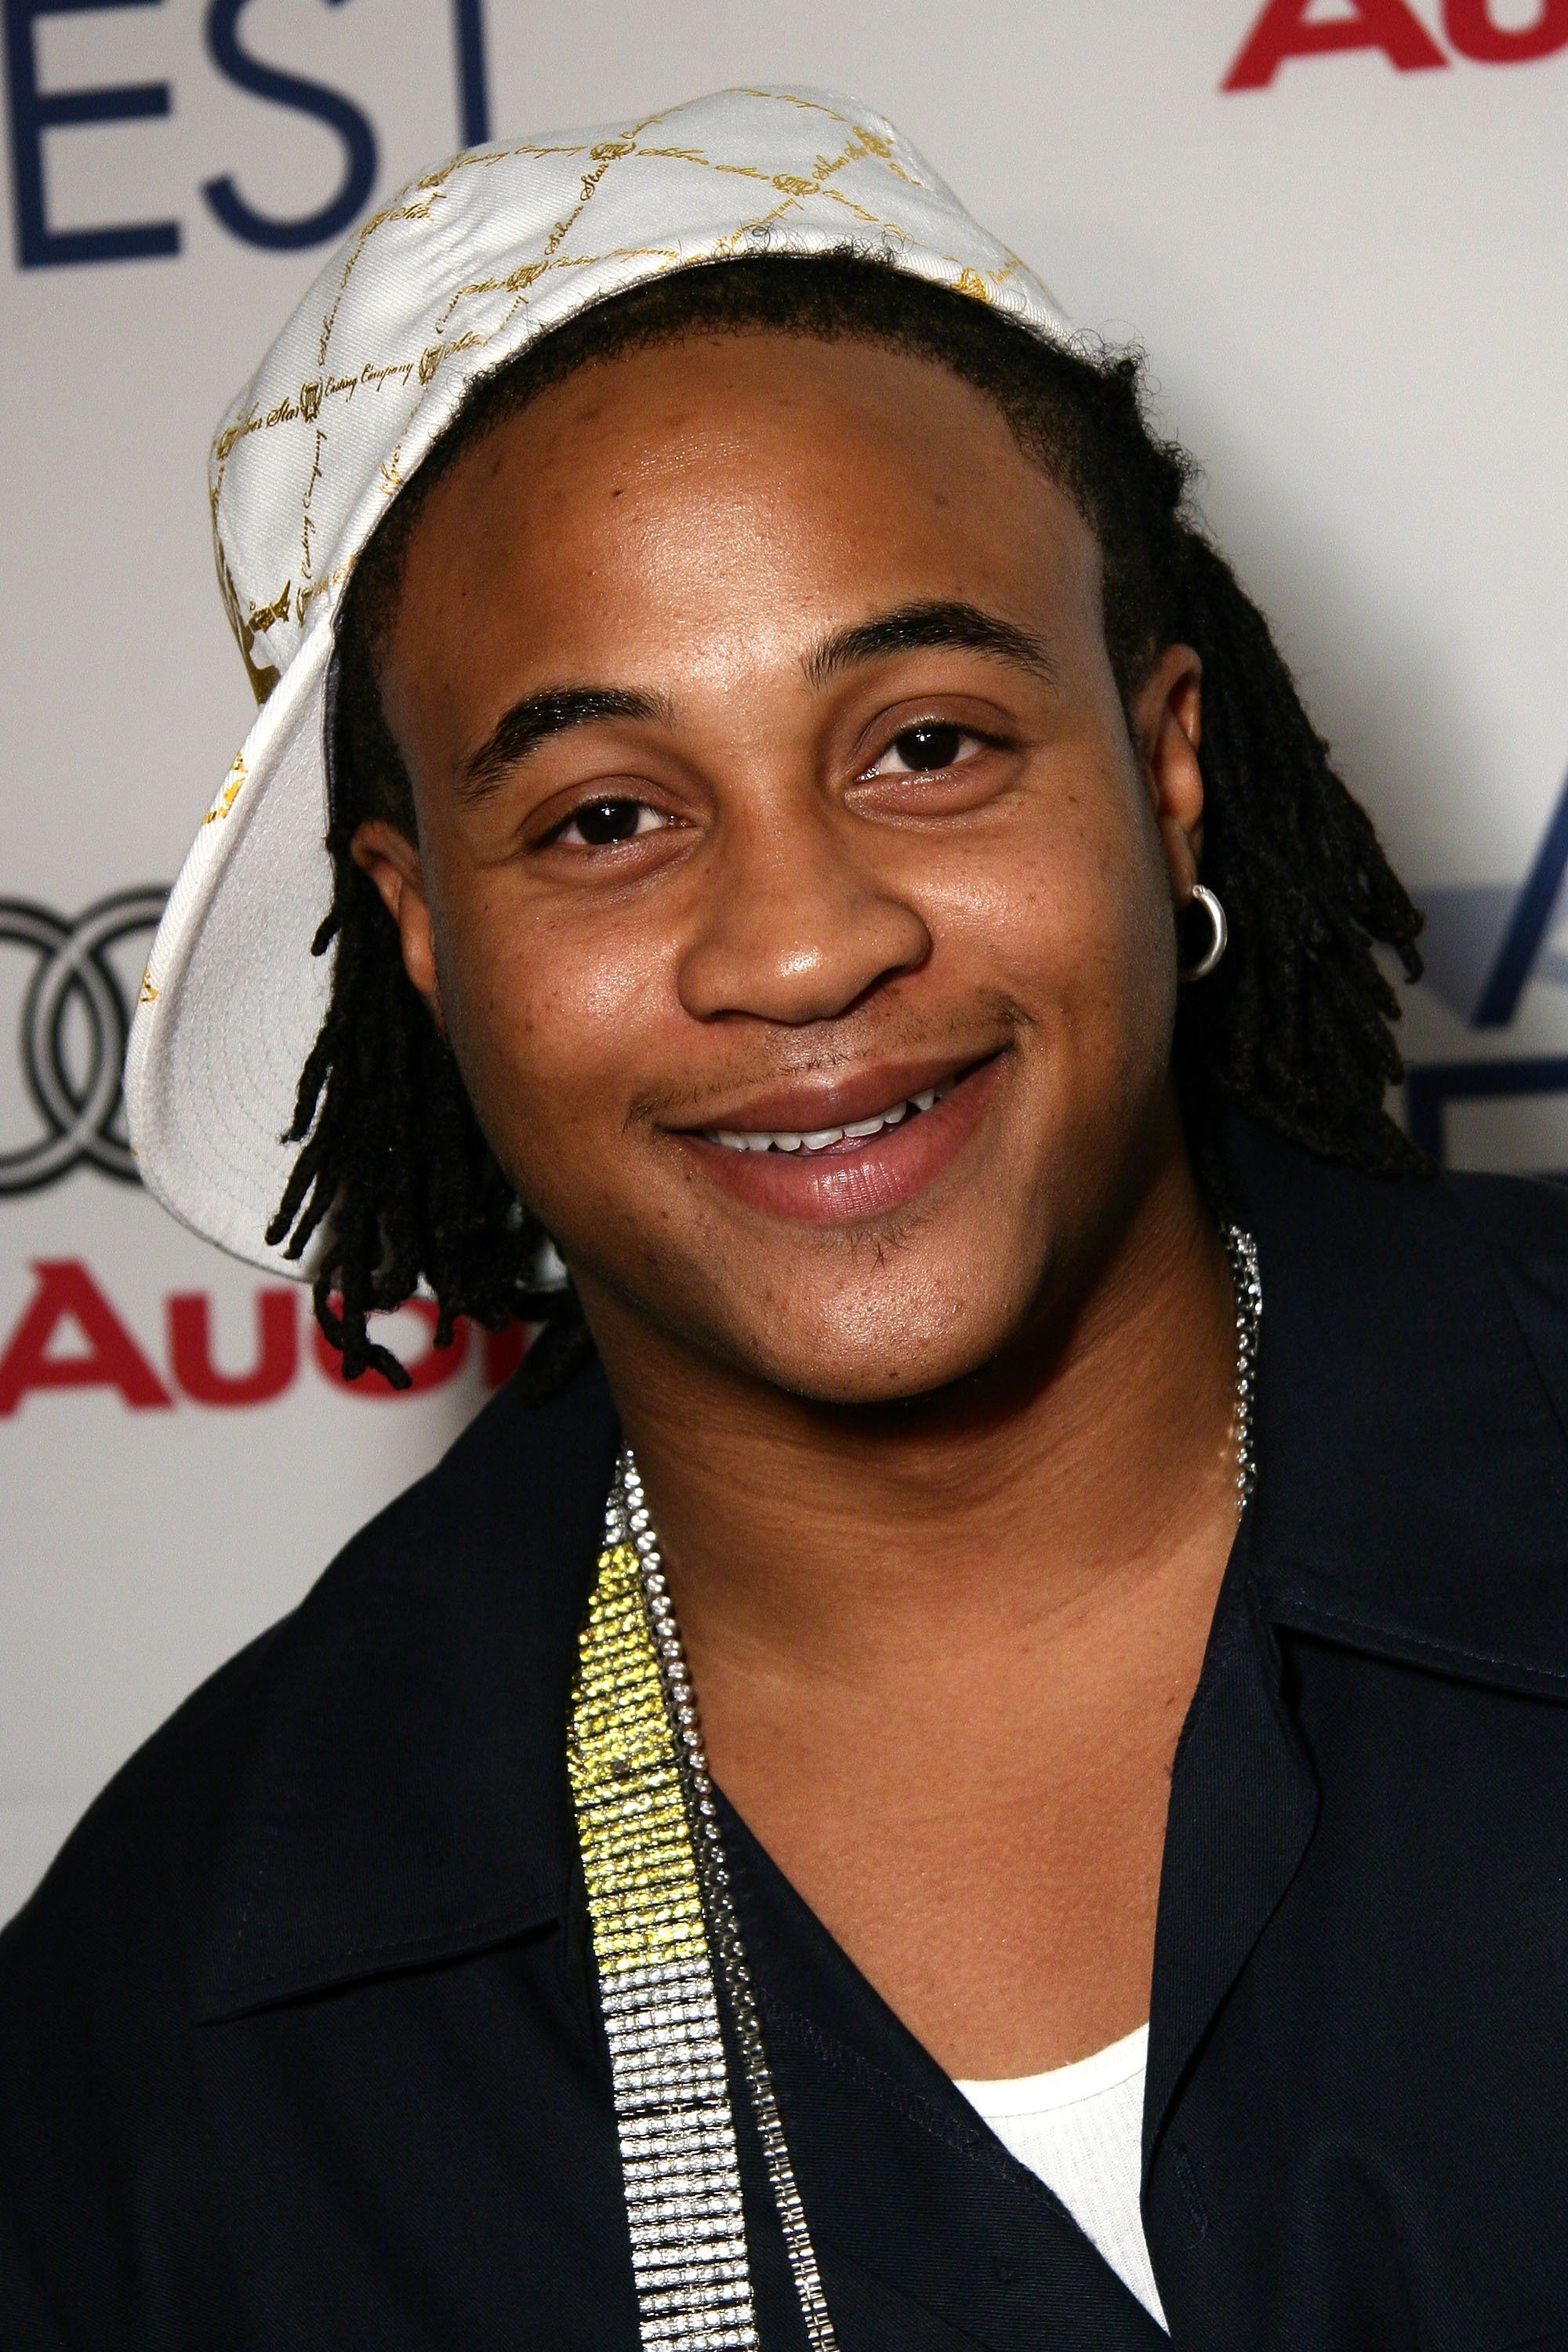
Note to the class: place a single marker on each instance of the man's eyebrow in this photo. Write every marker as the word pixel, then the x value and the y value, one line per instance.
pixel 553 711
pixel 913 626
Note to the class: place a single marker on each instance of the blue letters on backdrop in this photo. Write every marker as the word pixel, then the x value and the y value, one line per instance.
pixel 329 106
pixel 34 111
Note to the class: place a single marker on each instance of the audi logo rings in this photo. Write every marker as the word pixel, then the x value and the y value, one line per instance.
pixel 74 1083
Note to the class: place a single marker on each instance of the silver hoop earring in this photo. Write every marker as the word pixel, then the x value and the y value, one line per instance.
pixel 1206 963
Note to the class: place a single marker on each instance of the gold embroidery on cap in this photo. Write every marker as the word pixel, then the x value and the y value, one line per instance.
pixel 230 792
pixel 307 405
pixel 263 617
pixel 263 676
pixel 305 597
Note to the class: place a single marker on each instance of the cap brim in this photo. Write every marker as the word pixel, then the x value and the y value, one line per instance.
pixel 233 999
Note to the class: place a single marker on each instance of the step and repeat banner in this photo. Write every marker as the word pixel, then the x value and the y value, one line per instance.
pixel 1339 226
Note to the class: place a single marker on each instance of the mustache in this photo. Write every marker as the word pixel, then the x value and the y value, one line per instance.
pixel 989 1021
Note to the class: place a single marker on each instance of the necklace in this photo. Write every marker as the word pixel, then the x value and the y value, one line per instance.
pixel 665 1932
pixel 1247 1288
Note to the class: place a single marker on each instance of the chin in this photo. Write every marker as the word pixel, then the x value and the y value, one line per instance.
pixel 886 1359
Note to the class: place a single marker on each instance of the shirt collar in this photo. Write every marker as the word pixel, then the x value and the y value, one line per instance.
pixel 1413 1470
pixel 403 1797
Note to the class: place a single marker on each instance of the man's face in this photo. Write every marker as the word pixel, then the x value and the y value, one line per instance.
pixel 793 893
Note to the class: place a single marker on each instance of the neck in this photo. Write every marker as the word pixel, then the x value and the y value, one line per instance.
pixel 838 1541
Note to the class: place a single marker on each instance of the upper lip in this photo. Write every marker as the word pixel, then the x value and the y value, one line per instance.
pixel 806 1106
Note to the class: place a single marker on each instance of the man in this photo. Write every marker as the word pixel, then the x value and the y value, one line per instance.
pixel 815 1825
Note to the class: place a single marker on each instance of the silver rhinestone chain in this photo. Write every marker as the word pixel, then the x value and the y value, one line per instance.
pixel 724 1927
pixel 1247 1286
pixel 629 1505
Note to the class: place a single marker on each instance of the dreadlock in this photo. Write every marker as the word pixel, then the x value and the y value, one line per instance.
pixel 1294 1028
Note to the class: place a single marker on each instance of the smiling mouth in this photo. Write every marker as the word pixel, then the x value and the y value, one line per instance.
pixel 810 1142
pixel 855 1169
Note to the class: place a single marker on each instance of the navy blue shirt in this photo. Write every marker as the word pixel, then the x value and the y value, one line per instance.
pixel 299 2044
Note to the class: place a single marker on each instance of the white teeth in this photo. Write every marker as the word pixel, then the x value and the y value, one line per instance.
pixel 818 1138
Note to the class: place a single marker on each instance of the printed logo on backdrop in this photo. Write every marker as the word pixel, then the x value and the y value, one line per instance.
pixel 1476 32
pixel 1483 946
pixel 77 988
pixel 39 113
pixel 74 1020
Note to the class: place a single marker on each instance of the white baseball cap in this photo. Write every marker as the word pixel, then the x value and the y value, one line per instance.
pixel 464 269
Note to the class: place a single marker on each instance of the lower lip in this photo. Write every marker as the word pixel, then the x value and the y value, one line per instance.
pixel 837 1187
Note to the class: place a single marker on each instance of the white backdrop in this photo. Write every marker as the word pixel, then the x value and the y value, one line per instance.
pixel 1350 270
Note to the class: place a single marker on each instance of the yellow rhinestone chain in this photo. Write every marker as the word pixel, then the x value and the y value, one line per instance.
pixel 659 1906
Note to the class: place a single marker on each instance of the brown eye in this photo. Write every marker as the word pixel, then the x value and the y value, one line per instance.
pixel 928 747
pixel 599 824
pixel 604 821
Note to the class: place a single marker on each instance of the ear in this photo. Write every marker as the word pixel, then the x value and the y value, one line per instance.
pixel 1165 718
pixel 392 861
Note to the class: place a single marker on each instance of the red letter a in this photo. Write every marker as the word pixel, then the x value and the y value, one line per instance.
pixel 67 1291
pixel 1283 31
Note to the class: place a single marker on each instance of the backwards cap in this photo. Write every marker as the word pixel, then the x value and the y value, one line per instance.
pixel 464 268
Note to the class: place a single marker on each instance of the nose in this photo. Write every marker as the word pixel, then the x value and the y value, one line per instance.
pixel 795 924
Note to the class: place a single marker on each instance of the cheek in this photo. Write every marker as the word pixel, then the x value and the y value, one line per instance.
pixel 1068 907
pixel 547 1018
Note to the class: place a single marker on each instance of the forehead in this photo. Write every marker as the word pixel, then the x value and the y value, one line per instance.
pixel 703 481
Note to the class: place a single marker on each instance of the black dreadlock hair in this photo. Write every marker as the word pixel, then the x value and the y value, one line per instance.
pixel 1294 1026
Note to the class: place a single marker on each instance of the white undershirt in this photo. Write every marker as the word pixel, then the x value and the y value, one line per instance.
pixel 1080 2129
